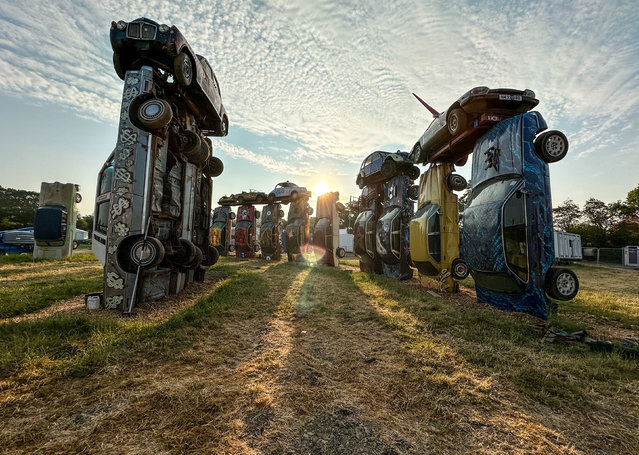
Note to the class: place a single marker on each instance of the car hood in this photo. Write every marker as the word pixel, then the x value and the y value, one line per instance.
pixel 481 238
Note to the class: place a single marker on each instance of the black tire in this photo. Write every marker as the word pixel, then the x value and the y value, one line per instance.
pixel 137 251
pixel 183 69
pixel 340 252
pixel 155 113
pixel 224 126
pixel 413 172
pixel 459 269
pixel 281 213
pixel 456 182
pixel 2 253
pixel 190 142
pixel 416 153
pixel 260 199
pixel 240 200
pixel 562 284
pixel 75 245
pixel 231 248
pixel 551 146
pixel 340 207
pixel 413 192
pixel 78 198
pixel 117 65
pixel 456 121
pixel 134 107
pixel 214 167
pixel 359 181
pixel 185 253
pixel 202 155
pixel 212 257
pixel 388 168
pixel 197 259
pixel 271 198
pixel 257 214
pixel 256 248
pixel 290 257
pixel 309 211
pixel 232 215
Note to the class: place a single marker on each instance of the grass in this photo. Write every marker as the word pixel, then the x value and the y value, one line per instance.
pixel 27 287
pixel 285 358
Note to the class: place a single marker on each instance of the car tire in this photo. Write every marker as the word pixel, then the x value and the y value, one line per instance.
pixel 212 257
pixel 456 121
pixel 183 69
pixel 78 198
pixel 309 211
pixel 2 253
pixel 551 146
pixel 340 207
pixel 190 142
pixel 224 126
pixel 136 251
pixel 271 198
pixel 413 172
pixel 232 215
pixel 413 192
pixel 281 213
pixel 561 284
pixel 214 167
pixel 340 252
pixel 197 259
pixel 231 248
pixel 240 200
pixel 459 269
pixel 155 113
pixel 256 248
pixel 202 155
pixel 257 214
pixel 456 182
pixel 185 253
pixel 260 199
pixel 388 168
pixel 416 153
pixel 75 245
pixel 117 65
pixel 359 182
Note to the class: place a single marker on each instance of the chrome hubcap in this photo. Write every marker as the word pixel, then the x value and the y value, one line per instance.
pixel 555 145
pixel 565 284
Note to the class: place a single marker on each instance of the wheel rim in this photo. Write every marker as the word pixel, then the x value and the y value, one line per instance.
pixel 152 110
pixel 143 253
pixel 460 270
pixel 565 284
pixel 555 145
pixel 187 70
pixel 453 122
pixel 457 182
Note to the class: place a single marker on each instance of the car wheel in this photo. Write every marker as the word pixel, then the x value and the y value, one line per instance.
pixel 231 248
pixel 203 154
pixel 212 257
pixel 562 284
pixel 257 214
pixel 271 198
pixel 117 64
pixel 459 269
pixel 260 199
pixel 78 198
pixel 388 168
pixel 551 146
pixel 224 126
pixel 456 182
pixel 340 207
pixel 197 259
pixel 232 215
pixel 214 167
pixel 183 69
pixel 340 252
pixel 136 251
pixel 185 253
pixel 456 121
pixel 281 213
pixel 240 200
pixel 256 248
pixel 413 172
pixel 309 211
pixel 155 113
pixel 413 192
pixel 190 142
pixel 2 253
pixel 75 245
pixel 358 181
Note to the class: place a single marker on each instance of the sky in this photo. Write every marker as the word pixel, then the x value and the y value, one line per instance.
pixel 312 87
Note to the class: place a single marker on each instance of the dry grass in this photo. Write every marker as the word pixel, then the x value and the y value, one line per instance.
pixel 287 359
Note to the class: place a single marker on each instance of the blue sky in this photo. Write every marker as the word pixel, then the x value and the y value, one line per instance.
pixel 312 87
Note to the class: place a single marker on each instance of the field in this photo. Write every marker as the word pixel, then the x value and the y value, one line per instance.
pixel 279 358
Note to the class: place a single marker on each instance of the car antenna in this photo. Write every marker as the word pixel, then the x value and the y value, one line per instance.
pixel 430 109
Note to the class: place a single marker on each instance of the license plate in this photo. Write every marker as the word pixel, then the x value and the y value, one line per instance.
pixel 510 97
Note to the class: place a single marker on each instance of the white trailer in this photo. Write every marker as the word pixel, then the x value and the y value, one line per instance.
pixel 346 240
pixel 567 246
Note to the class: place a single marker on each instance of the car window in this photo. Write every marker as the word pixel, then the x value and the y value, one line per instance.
pixel 515 242
pixel 206 66
pixel 495 191
pixel 433 230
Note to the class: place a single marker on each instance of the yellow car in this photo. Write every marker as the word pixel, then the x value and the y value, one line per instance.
pixel 434 230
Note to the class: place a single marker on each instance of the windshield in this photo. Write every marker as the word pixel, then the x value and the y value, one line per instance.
pixel 493 191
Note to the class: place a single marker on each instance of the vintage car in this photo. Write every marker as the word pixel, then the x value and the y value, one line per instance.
pixel 434 230
pixel 270 232
pixel 250 197
pixel 507 234
pixel 227 200
pixel 370 208
pixel 246 244
pixel 325 237
pixel 144 42
pixel 286 192
pixel 478 106
pixel 392 230
pixel 297 229
pixel 220 233
pixel 381 166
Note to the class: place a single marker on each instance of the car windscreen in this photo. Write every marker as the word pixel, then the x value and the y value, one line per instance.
pixel 493 191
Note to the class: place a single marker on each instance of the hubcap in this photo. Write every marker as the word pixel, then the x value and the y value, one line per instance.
pixel 453 123
pixel 186 69
pixel 152 110
pixel 555 145
pixel 565 284
pixel 460 270
pixel 142 253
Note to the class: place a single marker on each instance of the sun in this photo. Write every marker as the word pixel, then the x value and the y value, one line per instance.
pixel 321 188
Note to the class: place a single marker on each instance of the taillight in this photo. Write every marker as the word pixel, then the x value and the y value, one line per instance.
pixel 479 90
pixel 163 28
pixel 121 25
pixel 529 93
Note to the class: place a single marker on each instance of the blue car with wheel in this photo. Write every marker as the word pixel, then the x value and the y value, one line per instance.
pixel 507 235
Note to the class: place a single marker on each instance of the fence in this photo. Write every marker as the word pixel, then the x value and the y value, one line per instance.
pixel 607 256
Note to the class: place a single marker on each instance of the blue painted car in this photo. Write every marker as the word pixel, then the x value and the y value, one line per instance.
pixel 507 235
pixel 16 241
pixel 381 166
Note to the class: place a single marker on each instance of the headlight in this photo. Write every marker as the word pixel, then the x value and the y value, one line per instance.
pixel 479 90
pixel 163 28
pixel 529 93
pixel 121 25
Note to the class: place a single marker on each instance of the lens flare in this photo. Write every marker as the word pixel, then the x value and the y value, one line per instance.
pixel 321 188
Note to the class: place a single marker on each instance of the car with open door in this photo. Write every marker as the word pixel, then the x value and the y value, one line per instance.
pixel 507 235
pixel 144 42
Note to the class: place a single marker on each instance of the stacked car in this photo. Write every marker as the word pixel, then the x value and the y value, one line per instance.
pixel 153 199
pixel 506 239
pixel 385 208
pixel 325 238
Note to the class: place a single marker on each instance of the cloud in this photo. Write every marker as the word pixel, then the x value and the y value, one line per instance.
pixel 336 78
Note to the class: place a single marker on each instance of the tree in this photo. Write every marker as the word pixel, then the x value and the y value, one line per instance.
pixel 85 223
pixel 632 202
pixel 348 215
pixel 463 200
pixel 597 213
pixel 17 208
pixel 566 215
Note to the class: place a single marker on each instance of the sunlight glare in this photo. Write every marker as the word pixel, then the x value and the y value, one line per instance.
pixel 321 188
